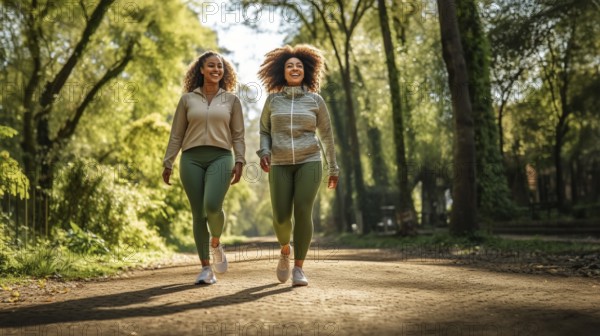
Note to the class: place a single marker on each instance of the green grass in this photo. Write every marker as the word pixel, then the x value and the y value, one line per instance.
pixel 233 240
pixel 44 261
pixel 535 245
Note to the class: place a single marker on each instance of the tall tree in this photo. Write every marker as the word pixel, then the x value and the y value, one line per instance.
pixel 378 167
pixel 40 148
pixel 347 19
pixel 558 71
pixel 492 188
pixel 344 191
pixel 405 202
pixel 463 219
pixel 547 42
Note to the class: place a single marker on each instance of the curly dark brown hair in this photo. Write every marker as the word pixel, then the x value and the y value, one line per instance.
pixel 272 73
pixel 193 77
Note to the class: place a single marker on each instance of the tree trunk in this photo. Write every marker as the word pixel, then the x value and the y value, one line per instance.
pixel 344 190
pixel 562 127
pixel 501 130
pixel 560 184
pixel 405 201
pixel 492 186
pixel 379 170
pixel 378 167
pixel 29 104
pixel 464 192
pixel 347 22
pixel 353 144
pixel 574 172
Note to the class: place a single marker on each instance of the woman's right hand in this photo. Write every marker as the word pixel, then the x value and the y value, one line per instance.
pixel 265 163
pixel 166 175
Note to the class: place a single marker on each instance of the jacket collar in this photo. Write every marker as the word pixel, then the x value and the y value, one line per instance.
pixel 198 90
pixel 293 91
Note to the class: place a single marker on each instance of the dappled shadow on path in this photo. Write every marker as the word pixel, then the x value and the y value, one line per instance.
pixel 509 320
pixel 114 306
pixel 575 263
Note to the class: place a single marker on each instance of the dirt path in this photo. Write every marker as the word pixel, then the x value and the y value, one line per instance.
pixel 351 292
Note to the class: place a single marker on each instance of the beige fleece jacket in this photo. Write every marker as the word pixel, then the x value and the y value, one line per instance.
pixel 198 123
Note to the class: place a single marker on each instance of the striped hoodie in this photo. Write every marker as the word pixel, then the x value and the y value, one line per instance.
pixel 288 126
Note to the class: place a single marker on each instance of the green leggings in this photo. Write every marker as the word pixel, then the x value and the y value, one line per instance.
pixel 206 174
pixel 294 188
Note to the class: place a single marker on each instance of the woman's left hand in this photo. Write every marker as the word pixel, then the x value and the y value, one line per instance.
pixel 236 173
pixel 332 183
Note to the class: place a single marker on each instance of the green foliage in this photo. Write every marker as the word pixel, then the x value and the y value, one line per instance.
pixel 96 186
pixel 88 193
pixel 12 180
pixel 7 132
pixel 237 197
pixel 542 52
pixel 43 260
pixel 141 137
pixel 51 259
pixel 440 242
pixel 83 241
pixel 6 258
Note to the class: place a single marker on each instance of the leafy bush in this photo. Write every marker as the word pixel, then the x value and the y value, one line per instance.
pixel 83 241
pixel 42 260
pixel 106 209
pixel 12 179
pixel 6 260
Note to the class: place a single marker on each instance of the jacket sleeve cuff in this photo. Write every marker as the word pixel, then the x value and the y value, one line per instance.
pixel 333 171
pixel 263 152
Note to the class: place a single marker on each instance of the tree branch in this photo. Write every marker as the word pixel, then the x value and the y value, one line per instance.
pixel 83 10
pixel 329 34
pixel 32 43
pixel 343 15
pixel 549 79
pixel 359 13
pixel 70 126
pixel 53 88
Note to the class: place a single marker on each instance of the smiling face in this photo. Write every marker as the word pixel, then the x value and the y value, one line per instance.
pixel 294 72
pixel 212 69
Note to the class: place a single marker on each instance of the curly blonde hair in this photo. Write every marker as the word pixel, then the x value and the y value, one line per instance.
pixel 193 77
pixel 272 73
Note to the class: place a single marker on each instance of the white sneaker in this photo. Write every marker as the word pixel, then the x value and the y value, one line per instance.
pixel 219 259
pixel 206 277
pixel 283 266
pixel 298 277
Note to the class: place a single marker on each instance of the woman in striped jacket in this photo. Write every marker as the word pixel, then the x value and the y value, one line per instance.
pixel 290 150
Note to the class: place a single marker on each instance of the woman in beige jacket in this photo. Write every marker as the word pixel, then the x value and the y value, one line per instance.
pixel 208 123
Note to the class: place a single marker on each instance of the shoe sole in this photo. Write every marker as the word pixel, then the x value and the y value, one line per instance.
pixel 218 271
pixel 299 284
pixel 282 281
pixel 288 271
pixel 202 282
pixel 215 267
